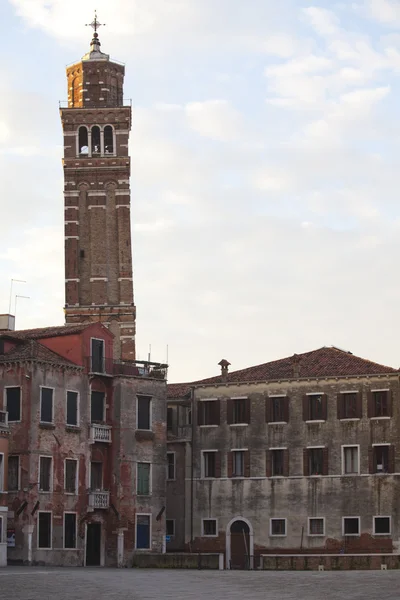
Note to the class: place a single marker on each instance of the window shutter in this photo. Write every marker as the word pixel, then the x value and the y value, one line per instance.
pixel 306 468
pixel 217 418
pixel 286 409
pixel 389 403
pixel 230 464
pixel 325 461
pixel 371 408
pixel 391 465
pixel 286 463
pixel 218 464
pixel 359 404
pixel 268 410
pixel 268 465
pixel 324 401
pixel 306 412
pixel 371 460
pixel 229 411
pixel 199 414
pixel 247 464
pixel 248 410
pixel 340 406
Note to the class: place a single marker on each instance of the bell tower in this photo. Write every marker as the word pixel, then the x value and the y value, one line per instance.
pixel 98 253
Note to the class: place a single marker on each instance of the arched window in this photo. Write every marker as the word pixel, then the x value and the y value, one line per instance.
pixel 96 149
pixel 108 140
pixel 83 140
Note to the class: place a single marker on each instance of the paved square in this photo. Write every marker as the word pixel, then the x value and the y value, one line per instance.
pixel 100 584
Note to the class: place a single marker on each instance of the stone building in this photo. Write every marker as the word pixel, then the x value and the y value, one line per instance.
pixel 296 455
pixel 86 467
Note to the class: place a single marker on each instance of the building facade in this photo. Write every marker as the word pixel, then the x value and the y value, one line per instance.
pixel 96 123
pixel 87 446
pixel 298 455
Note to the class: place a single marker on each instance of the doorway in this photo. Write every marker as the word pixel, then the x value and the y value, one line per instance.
pixel 93 545
pixel 239 544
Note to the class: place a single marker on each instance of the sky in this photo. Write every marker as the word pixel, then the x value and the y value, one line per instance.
pixel 265 153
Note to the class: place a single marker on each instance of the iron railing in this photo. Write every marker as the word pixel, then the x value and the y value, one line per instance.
pixel 126 103
pixel 126 368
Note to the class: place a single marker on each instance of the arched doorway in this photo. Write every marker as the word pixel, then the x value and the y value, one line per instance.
pixel 239 544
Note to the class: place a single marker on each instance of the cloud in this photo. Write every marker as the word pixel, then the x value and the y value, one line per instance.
pixel 215 119
pixel 324 21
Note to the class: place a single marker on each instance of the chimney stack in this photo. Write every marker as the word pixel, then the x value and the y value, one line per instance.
pixel 296 366
pixel 224 364
pixel 7 323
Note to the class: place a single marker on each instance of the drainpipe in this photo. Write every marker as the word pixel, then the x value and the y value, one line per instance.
pixel 192 467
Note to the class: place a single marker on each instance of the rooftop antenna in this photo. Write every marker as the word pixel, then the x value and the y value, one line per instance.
pixel 15 308
pixel 149 356
pixel 11 289
pixel 166 362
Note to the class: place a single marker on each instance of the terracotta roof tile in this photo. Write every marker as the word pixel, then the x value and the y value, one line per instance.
pixel 43 332
pixel 324 362
pixel 32 350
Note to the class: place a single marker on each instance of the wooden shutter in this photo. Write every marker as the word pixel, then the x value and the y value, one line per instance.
pixel 359 403
pixel 324 401
pixel 286 462
pixel 200 413
pixel 218 464
pixel 247 410
pixel 268 410
pixel 286 409
pixel 268 463
pixel 216 412
pixel 306 408
pixel 306 466
pixel 391 465
pixel 325 461
pixel 371 407
pixel 371 460
pixel 230 464
pixel 340 406
pixel 389 403
pixel 247 463
pixel 229 411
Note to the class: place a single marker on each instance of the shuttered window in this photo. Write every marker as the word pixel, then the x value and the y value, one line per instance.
pixel 70 476
pixel 72 408
pixel 45 466
pixel 208 412
pixel 13 403
pixel 46 405
pixel 143 479
pixel 44 530
pixel 13 473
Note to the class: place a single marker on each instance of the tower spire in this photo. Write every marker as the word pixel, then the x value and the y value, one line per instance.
pixel 95 44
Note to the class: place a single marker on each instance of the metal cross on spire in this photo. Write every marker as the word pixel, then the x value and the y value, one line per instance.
pixel 95 24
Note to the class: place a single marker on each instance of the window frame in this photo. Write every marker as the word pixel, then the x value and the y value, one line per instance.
pixel 309 450
pixel 2 472
pixel 343 448
pixel 150 530
pixel 270 527
pixel 388 446
pixel 98 462
pixel 71 512
pixel 103 420
pixel 91 355
pixel 351 534
pixel 49 512
pixel 46 387
pixel 18 473
pixel 76 461
pixel 171 521
pixel 201 401
pixel 374 526
pixel 49 491
pixel 271 451
pixel 346 393
pixel 234 400
pixel 310 395
pixel 7 387
pixel 144 462
pixel 309 527
pixel 174 455
pixel 78 403
pixel 209 535
pixel 281 398
pixel 242 451
pixel 203 469
pixel 387 391
pixel 150 412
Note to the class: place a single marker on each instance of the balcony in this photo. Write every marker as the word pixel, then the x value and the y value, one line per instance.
pixel 3 419
pixel 99 499
pixel 109 367
pixel 100 433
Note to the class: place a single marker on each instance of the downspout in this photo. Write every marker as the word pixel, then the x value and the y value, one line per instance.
pixel 192 468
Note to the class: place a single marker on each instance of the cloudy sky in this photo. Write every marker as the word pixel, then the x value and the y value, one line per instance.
pixel 265 155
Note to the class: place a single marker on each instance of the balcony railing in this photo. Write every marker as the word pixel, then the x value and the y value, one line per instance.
pixel 3 419
pixel 126 368
pixel 126 102
pixel 100 433
pixel 99 499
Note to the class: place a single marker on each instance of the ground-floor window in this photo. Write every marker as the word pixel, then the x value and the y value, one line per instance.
pixel 170 526
pixel 278 527
pixel 44 530
pixel 209 527
pixel 69 530
pixel 381 525
pixel 351 525
pixel 316 526
pixel 143 532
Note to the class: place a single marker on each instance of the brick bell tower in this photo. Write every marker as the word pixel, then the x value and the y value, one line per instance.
pixel 98 251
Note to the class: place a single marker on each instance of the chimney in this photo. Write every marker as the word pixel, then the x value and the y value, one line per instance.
pixel 7 323
pixel 224 364
pixel 296 366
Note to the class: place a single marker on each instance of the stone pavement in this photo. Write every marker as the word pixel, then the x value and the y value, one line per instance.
pixel 41 583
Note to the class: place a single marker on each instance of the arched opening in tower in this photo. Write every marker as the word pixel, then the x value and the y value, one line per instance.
pixel 96 148
pixel 108 140
pixel 83 140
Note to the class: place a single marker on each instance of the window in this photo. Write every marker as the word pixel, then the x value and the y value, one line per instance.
pixel 1 530
pixel 69 530
pixel 314 407
pixel 96 140
pixel 277 527
pixel 45 479
pixel 46 405
pixel 170 527
pixel 185 415
pixel 382 458
pixel 208 412
pixel 278 412
pixel 97 359
pixel 209 464
pixel 238 463
pixel 240 410
pixel 379 403
pixel 44 529
pixel 277 463
pixel 349 405
pixel 1 472
pixel 170 465
pixel 72 408
pixel 97 407
pixel 13 473
pixel 382 526
pixel 170 418
pixel 351 525
pixel 96 476
pixel 143 532
pixel 143 479
pixel 209 527
pixel 71 471
pixel 144 412
pixel 316 461
pixel 350 460
pixel 108 140
pixel 83 140
pixel 316 526
pixel 13 403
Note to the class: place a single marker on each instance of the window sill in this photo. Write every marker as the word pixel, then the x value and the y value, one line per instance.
pixel 350 474
pixel 277 422
pixel 210 536
pixel 45 492
pixel 351 535
pixel 73 428
pixel 239 424
pixel 382 534
pixel 208 426
pixel 138 495
pixel 171 479
pixel 380 418
pixel 70 493
pixel 315 421
pixel 12 422
pixel 350 419
pixel 277 476
pixel 44 425
pixel 280 535
pixel 316 535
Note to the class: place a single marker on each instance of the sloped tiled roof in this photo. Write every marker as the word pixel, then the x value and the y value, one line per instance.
pixel 44 332
pixel 324 362
pixel 32 350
